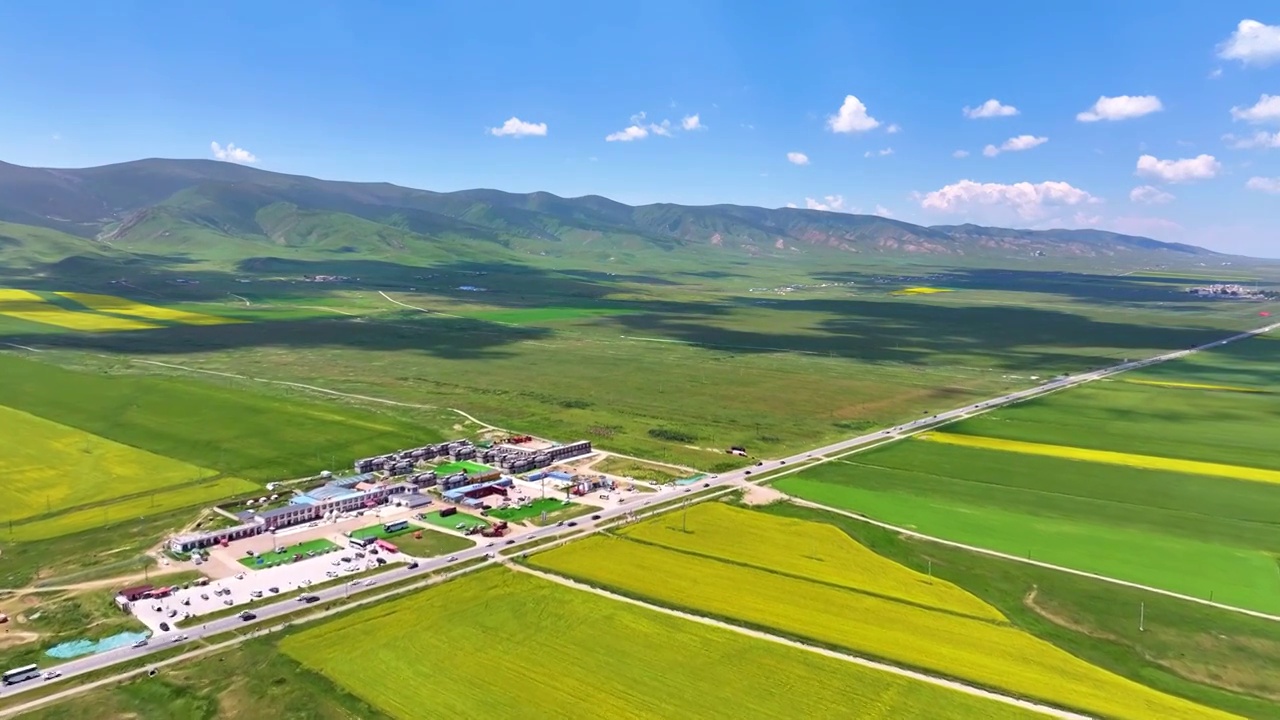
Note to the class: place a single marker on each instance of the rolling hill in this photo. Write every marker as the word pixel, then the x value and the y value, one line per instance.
pixel 204 206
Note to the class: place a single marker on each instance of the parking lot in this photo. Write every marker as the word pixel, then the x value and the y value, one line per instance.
pixel 244 589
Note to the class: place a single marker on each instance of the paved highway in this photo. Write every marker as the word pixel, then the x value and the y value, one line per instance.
pixel 266 612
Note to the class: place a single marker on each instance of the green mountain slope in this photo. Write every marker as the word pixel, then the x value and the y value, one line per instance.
pixel 160 205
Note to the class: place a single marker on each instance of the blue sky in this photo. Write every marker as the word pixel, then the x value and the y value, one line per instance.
pixel 387 91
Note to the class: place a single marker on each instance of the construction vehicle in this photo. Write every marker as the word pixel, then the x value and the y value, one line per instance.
pixel 495 531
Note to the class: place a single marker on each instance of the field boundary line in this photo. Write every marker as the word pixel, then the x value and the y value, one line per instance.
pixel 314 388
pixel 1027 561
pixel 846 657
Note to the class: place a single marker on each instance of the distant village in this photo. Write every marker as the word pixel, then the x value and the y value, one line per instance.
pixel 1233 291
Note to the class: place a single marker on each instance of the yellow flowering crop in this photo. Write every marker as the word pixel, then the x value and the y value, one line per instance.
pixel 990 654
pixel 124 306
pixel 1194 386
pixel 805 549
pixel 25 305
pixel 1109 457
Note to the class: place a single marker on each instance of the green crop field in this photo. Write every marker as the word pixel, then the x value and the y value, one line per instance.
pixel 594 658
pixel 285 553
pixel 227 427
pixel 1212 656
pixel 871 607
pixel 472 468
pixel 377 531
pixel 1203 535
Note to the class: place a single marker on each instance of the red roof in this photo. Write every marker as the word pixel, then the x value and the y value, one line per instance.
pixel 136 590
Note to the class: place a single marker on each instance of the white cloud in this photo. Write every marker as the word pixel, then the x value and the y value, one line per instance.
pixel 692 122
pixel 56 137
pixel 960 154
pixel 852 117
pixel 1260 139
pixel 893 129
pixel 1264 184
pixel 883 211
pixel 791 205
pixel 1121 107
pixel 639 130
pixel 231 153
pixel 878 153
pixel 633 132
pixel 1029 201
pixel 517 128
pixel 1200 167
pixel 797 158
pixel 989 109
pixel 830 203
pixel 1267 110
pixel 1215 73
pixel 1015 144
pixel 1149 195
pixel 1252 43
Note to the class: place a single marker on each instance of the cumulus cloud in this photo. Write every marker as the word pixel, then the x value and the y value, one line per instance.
pixel 878 153
pixel 1259 139
pixel 640 129
pixel 883 211
pixel 830 203
pixel 1264 184
pixel 852 117
pixel 1148 195
pixel 791 205
pixel 517 128
pixel 1253 43
pixel 1015 144
pixel 1029 201
pixel 1267 110
pixel 893 129
pixel 989 109
pixel 1200 167
pixel 1121 107
pixel 231 153
pixel 960 154
pixel 797 158
pixel 692 122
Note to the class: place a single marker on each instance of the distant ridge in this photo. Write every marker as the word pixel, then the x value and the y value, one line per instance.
pixel 140 201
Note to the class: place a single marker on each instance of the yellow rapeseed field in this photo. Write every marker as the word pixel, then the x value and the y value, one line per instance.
pixel 986 653
pixel 124 306
pixel 25 305
pixel 508 645
pixel 48 467
pixel 1194 386
pixel 806 549
pixel 920 291
pixel 1146 462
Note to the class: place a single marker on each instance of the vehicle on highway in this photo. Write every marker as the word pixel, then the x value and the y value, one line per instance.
pixel 451 558
pixel 179 638
pixel 247 616
pixel 20 674
pixel 573 523
pixel 413 565
pixel 509 542
pixel 310 598
pixel 744 472
pixel 51 674
pixel 595 517
pixel 706 485
pixel 140 643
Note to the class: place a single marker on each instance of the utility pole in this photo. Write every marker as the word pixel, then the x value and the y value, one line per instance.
pixel 1142 616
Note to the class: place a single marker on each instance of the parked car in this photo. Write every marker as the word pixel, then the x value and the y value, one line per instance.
pixel 164 627
pixel 382 561
pixel 204 596
pixel 255 593
pixel 273 589
pixel 228 601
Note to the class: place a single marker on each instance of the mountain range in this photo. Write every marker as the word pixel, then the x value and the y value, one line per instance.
pixel 208 207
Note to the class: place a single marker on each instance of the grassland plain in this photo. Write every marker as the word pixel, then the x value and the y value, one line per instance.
pixel 988 653
pixel 229 426
pixel 252 680
pixel 805 550
pixel 1201 536
pixel 595 658
pixel 1211 656
pixel 26 305
pixel 680 348
pixel 123 306
pixel 432 543
pixel 626 467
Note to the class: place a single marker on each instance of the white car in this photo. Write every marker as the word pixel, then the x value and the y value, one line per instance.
pixel 452 558
pixel 179 638
pixel 52 674
pixel 239 576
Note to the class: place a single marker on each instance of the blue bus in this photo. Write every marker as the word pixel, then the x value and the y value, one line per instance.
pixel 17 675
